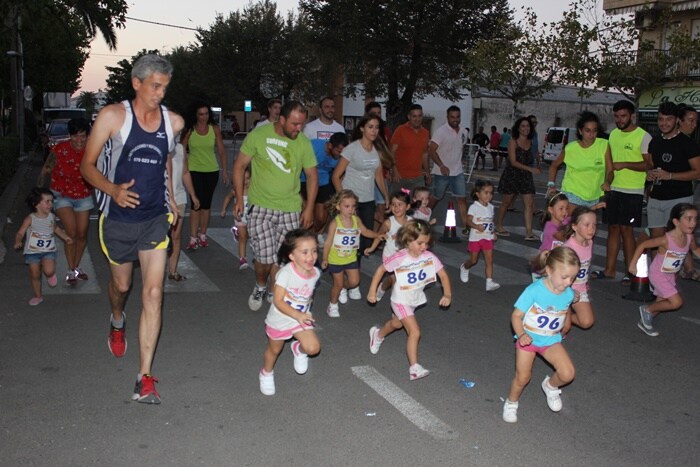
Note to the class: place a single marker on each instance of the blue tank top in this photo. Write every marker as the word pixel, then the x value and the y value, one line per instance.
pixel 139 155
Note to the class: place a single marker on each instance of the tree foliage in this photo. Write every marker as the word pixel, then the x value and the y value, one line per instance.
pixel 403 49
pixel 528 58
pixel 119 79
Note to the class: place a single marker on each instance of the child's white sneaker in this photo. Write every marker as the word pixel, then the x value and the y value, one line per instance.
pixel 374 340
pixel 380 292
pixel 267 383
pixel 510 411
pixel 301 360
pixel 463 273
pixel 553 398
pixel 343 297
pixel 491 285
pixel 333 311
pixel 354 293
pixel 416 371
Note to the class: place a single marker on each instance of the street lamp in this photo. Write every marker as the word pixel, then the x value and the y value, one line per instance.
pixel 18 78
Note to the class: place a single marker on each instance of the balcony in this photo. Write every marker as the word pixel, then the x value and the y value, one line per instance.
pixel 680 70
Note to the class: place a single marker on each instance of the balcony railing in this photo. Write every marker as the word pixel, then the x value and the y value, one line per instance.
pixel 680 69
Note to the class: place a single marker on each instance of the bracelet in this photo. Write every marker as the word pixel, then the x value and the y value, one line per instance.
pixel 550 184
pixel 670 176
pixel 518 337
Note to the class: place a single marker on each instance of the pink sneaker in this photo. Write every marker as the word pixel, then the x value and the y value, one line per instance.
pixel 52 280
pixel 34 301
pixel 203 241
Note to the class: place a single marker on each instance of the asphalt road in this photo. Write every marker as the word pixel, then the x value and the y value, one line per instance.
pixel 66 400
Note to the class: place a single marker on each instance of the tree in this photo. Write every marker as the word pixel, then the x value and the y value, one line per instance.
pixel 88 101
pixel 528 59
pixel 403 49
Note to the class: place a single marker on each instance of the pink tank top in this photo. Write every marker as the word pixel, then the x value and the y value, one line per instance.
pixel 585 253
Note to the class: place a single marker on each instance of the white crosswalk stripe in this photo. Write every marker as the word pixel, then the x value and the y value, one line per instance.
pixel 90 286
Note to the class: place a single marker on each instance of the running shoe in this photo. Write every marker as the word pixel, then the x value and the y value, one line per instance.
pixel 491 285
pixel 646 322
pixel 256 298
pixel 301 360
pixel 553 398
pixel 80 274
pixel 145 390
pixel 343 298
pixel 333 311
pixel 234 232
pixel 510 411
pixel 463 273
pixel 203 243
pixel 243 264
pixel 71 279
pixel 374 340
pixel 34 301
pixel 193 244
pixel 267 383
pixel 117 339
pixel 416 371
pixel 380 292
pixel 354 293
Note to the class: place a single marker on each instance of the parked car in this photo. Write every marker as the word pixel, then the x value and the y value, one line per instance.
pixel 58 131
pixel 555 140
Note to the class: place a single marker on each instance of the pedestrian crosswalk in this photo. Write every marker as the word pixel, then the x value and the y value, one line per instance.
pixel 511 263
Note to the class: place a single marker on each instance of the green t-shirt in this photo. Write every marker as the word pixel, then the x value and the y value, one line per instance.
pixel 626 146
pixel 276 164
pixel 585 169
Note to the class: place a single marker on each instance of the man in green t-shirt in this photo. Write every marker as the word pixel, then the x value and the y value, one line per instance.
pixel 277 154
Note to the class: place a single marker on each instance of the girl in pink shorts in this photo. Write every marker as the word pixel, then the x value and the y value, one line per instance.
pixel 414 267
pixel 672 250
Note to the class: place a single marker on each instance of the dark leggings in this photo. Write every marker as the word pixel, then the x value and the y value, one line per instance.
pixel 204 184
pixel 365 211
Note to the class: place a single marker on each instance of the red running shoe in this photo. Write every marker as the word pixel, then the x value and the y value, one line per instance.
pixel 145 390
pixel 117 340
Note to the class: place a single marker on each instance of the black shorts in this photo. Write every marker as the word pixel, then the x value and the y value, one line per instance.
pixel 623 208
pixel 325 193
pixel 122 241
pixel 204 184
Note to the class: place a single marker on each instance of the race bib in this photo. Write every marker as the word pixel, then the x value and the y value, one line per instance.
pixel 298 303
pixel 486 223
pixel 545 322
pixel 582 276
pixel 40 243
pixel 345 241
pixel 416 275
pixel 673 260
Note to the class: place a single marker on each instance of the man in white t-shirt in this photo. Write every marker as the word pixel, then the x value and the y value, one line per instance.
pixel 274 106
pixel 324 126
pixel 445 150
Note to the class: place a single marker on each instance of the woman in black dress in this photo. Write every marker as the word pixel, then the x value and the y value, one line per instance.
pixel 516 178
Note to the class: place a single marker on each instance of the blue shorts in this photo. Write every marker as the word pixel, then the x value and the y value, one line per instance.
pixel 34 258
pixel 336 268
pixel 84 204
pixel 378 197
pixel 573 199
pixel 456 183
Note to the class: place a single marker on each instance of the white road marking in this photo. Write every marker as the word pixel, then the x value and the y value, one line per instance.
pixel 692 320
pixel 90 286
pixel 405 404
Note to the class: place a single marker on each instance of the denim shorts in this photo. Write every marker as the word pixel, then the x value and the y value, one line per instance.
pixel 33 258
pixel 455 182
pixel 84 204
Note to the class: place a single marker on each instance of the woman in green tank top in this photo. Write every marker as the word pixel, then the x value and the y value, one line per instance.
pixel 586 165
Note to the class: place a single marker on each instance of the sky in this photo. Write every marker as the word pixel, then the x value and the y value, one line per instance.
pixel 137 35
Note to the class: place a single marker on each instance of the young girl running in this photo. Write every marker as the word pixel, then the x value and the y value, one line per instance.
pixel 240 226
pixel 579 234
pixel 40 246
pixel 481 237
pixel 538 319
pixel 414 268
pixel 290 312
pixel 672 250
pixel 421 208
pixel 340 250
pixel 400 204
pixel 553 221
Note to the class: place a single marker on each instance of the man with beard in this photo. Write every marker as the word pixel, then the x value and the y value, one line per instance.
pixel 278 153
pixel 624 184
pixel 324 126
